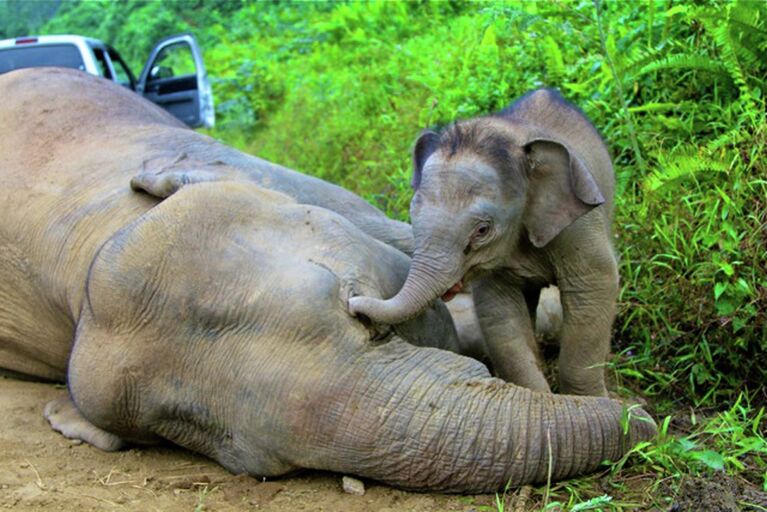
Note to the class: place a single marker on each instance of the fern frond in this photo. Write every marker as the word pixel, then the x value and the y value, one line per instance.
pixel 685 61
pixel 729 138
pixel 643 57
pixel 682 165
pixel 721 35
pixel 753 28
pixel 748 32
pixel 741 37
pixel 555 64
pixel 749 16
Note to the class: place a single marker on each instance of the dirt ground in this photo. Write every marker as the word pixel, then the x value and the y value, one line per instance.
pixel 42 470
pixel 718 493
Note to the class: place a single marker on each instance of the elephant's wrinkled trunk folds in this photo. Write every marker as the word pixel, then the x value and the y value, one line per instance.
pixel 426 419
pixel 424 284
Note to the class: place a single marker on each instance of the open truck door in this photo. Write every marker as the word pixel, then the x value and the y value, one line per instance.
pixel 174 77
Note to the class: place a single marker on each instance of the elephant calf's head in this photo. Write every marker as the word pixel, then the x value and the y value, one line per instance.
pixel 483 187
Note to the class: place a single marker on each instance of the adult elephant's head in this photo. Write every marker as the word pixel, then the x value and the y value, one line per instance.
pixel 482 188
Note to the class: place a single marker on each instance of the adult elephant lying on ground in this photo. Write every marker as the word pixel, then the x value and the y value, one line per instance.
pixel 217 318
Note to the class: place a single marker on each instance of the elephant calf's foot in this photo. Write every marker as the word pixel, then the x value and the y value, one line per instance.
pixel 531 380
pixel 65 418
pixel 583 387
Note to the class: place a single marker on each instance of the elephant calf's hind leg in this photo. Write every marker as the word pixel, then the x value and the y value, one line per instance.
pixel 64 417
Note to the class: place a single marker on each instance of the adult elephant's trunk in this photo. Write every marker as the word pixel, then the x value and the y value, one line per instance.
pixel 426 419
pixel 426 281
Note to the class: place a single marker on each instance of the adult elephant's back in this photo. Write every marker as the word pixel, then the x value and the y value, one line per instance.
pixel 69 143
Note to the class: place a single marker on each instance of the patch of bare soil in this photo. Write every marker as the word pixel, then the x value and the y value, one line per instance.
pixel 41 470
pixel 718 493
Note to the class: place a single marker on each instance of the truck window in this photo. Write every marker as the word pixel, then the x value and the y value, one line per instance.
pixel 101 63
pixel 61 55
pixel 173 61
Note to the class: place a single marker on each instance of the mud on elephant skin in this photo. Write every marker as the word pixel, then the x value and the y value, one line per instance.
pixel 217 318
pixel 516 201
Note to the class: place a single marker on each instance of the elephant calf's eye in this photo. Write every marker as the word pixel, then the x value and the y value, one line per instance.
pixel 481 231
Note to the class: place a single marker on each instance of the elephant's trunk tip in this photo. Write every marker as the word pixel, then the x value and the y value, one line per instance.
pixel 357 305
pixel 379 310
pixel 641 426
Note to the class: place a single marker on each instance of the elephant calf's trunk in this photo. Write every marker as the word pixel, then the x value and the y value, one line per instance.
pixel 422 286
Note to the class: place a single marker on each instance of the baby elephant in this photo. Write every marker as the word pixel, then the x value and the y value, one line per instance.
pixel 516 201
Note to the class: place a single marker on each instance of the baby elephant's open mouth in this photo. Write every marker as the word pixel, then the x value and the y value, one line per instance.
pixel 453 291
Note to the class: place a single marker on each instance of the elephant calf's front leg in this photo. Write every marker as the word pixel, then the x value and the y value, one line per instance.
pixel 505 321
pixel 588 307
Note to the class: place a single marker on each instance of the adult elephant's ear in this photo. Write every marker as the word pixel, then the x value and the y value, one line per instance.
pixel 560 190
pixel 426 144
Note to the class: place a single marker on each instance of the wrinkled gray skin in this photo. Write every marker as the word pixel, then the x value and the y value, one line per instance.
pixel 517 201
pixel 217 318
pixel 174 162
pixel 203 160
pixel 471 342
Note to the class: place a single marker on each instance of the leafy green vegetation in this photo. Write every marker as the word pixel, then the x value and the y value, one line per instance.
pixel 731 442
pixel 340 90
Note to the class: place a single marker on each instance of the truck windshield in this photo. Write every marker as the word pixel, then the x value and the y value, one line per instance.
pixel 61 55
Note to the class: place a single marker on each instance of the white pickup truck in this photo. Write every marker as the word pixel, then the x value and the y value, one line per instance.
pixel 173 77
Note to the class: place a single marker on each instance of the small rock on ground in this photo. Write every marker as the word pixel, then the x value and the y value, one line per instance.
pixel 353 486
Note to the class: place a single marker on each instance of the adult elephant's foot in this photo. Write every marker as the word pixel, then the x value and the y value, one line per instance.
pixel 163 176
pixel 168 183
pixel 64 417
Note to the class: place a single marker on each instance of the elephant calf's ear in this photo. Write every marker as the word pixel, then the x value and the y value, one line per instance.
pixel 426 144
pixel 561 189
